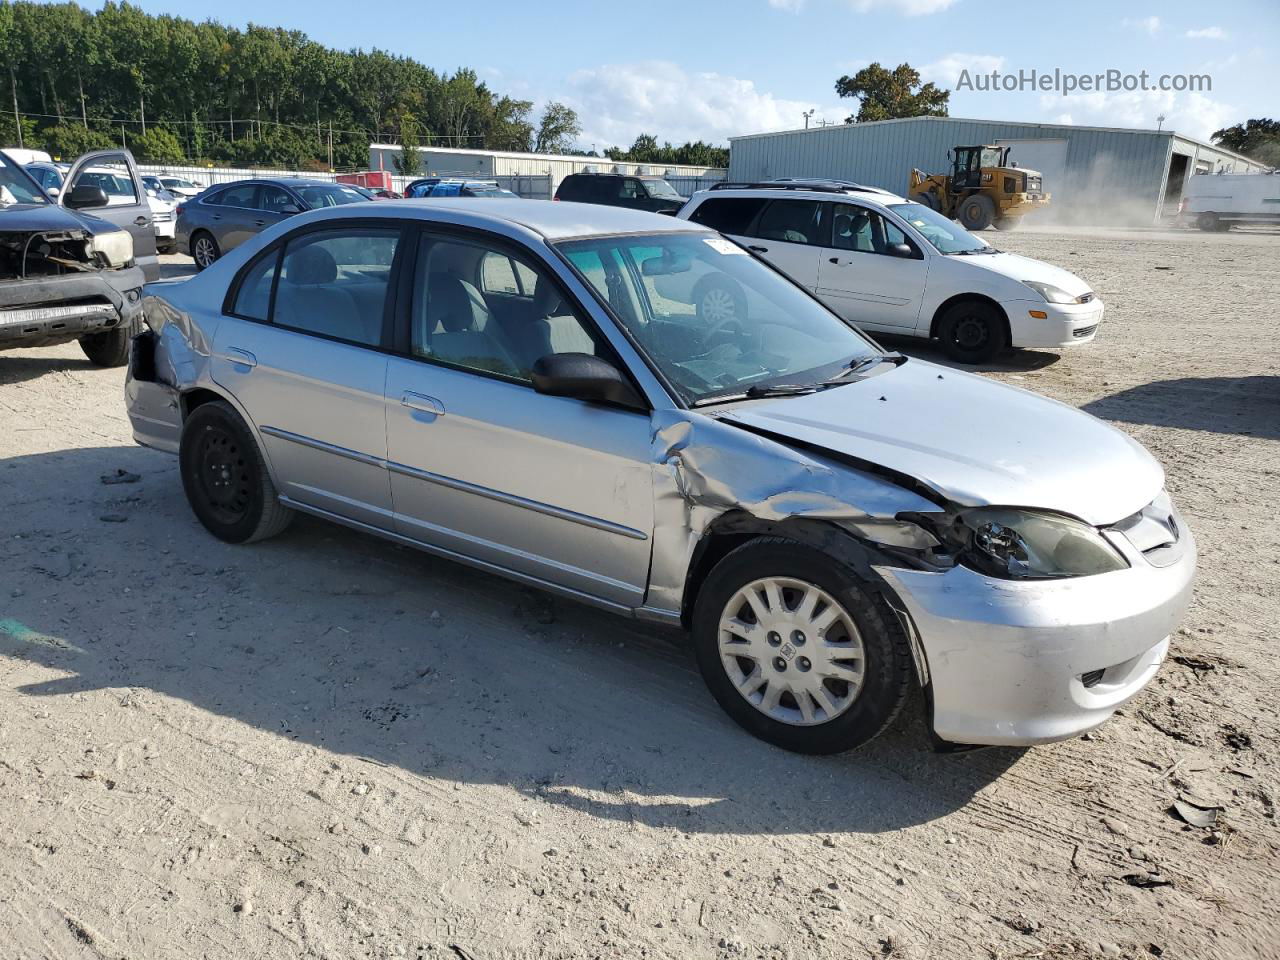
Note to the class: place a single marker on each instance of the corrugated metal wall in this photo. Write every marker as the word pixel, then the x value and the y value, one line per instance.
pixel 1112 176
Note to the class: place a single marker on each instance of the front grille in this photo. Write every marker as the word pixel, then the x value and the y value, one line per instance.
pixel 1092 678
pixel 1083 332
pixel 1033 184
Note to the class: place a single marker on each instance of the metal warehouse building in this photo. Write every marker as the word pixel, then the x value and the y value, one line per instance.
pixel 1095 174
pixel 547 169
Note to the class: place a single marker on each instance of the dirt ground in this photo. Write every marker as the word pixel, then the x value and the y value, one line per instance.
pixel 325 746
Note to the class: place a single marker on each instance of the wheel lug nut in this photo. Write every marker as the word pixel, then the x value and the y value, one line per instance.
pixel 779 663
pixel 803 663
pixel 775 639
pixel 797 638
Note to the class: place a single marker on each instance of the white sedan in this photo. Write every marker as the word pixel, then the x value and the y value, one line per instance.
pixel 891 265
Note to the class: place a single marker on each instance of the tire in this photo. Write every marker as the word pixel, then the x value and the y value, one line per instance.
pixel 930 200
pixel 111 347
pixel 858 709
pixel 977 212
pixel 973 331
pixel 204 249
pixel 165 248
pixel 225 477
pixel 1008 223
pixel 719 300
pixel 1207 222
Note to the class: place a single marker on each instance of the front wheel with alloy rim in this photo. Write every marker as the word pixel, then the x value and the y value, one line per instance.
pixel 225 477
pixel 797 650
pixel 973 331
pixel 204 250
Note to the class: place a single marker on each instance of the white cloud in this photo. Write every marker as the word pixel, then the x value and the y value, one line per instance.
pixel 1208 33
pixel 791 6
pixel 908 8
pixel 1193 114
pixel 946 70
pixel 617 101
pixel 1149 25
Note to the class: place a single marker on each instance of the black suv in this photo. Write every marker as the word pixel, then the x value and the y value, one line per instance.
pixel 620 190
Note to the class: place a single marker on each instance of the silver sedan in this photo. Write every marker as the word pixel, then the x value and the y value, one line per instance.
pixel 513 385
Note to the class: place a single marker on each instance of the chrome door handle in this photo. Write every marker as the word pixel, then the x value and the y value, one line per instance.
pixel 242 357
pixel 421 402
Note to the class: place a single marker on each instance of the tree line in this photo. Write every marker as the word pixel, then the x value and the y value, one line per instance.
pixel 173 90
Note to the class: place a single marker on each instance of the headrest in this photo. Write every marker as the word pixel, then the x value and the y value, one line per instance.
pixel 312 265
pixel 844 224
pixel 547 301
pixel 448 303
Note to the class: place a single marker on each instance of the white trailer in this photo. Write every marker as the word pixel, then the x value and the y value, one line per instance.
pixel 1216 201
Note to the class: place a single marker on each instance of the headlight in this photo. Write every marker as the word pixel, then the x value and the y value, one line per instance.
pixel 115 246
pixel 1028 545
pixel 1050 293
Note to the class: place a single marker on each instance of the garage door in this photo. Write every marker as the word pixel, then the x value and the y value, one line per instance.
pixel 1047 156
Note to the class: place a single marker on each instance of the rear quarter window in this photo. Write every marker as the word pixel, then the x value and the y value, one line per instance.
pixel 728 214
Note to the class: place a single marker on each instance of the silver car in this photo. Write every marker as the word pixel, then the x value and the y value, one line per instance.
pixel 505 385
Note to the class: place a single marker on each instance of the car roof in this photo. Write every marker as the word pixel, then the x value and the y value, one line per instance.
pixel 798 189
pixel 636 176
pixel 553 220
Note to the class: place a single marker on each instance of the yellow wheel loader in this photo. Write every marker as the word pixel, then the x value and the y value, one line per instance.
pixel 983 189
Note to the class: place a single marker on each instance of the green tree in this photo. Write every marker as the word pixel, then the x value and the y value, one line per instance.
pixel 888 94
pixel 409 161
pixel 1259 139
pixel 558 129
pixel 157 145
pixel 66 141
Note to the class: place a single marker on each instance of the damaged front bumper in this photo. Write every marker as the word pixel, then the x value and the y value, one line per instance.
pixel 1026 662
pixel 41 311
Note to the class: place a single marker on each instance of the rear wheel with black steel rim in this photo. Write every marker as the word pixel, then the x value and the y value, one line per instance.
pixel 225 478
pixel 973 331
pixel 797 650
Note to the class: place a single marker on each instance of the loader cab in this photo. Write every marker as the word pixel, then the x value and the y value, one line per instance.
pixel 967 164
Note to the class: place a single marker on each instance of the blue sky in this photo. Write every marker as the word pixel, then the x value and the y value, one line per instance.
pixel 710 69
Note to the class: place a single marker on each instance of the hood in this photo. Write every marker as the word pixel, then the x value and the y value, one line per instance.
pixel 39 218
pixel 1024 268
pixel 975 441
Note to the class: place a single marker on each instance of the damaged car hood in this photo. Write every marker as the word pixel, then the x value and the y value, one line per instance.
pixel 40 218
pixel 975 441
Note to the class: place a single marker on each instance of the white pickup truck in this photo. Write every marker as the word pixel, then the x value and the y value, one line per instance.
pixel 1216 201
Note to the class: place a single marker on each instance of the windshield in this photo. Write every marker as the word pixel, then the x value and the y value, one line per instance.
pixel 328 195
pixel 945 235
pixel 991 156
pixel 16 186
pixel 660 188
pixel 713 319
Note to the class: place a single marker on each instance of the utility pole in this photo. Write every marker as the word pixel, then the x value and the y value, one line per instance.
pixel 142 111
pixel 330 144
pixel 17 117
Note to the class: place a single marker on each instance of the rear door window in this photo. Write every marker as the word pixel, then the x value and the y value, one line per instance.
pixel 791 221
pixel 245 195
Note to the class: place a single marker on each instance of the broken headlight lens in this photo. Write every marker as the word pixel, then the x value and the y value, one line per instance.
pixel 1028 545
pixel 114 246
pixel 1050 293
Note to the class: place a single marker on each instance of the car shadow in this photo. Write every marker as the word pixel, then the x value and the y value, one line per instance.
pixel 19 368
pixel 378 652
pixel 1249 406
pixel 1011 361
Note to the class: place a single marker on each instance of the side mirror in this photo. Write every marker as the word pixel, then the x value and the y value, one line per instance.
pixel 53 191
pixel 85 196
pixel 583 377
pixel 904 250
